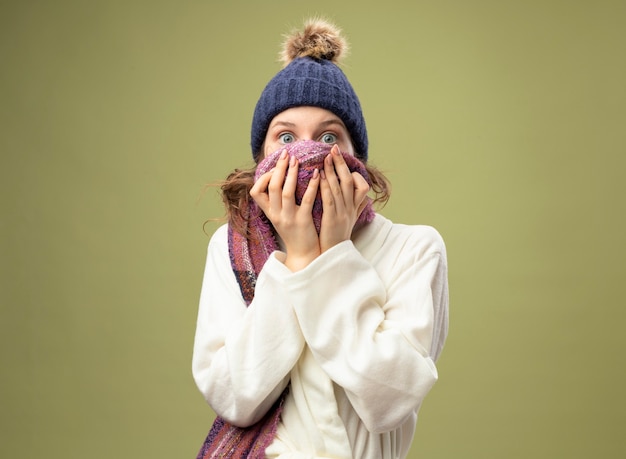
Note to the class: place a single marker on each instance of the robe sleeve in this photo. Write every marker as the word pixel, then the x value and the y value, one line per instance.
pixel 375 332
pixel 242 356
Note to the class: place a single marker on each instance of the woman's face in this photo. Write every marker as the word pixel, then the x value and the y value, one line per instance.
pixel 306 123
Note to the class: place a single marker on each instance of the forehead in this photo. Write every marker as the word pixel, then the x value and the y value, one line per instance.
pixel 306 115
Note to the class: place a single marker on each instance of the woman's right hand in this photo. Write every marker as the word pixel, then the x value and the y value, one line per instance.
pixel 274 192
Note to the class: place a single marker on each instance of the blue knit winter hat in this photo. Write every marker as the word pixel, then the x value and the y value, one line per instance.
pixel 311 77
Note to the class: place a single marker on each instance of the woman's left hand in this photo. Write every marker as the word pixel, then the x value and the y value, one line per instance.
pixel 344 196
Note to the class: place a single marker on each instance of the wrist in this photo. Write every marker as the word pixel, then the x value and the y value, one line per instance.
pixel 329 243
pixel 297 262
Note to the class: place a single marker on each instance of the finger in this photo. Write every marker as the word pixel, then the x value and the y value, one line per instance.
pixel 258 192
pixel 362 207
pixel 361 188
pixel 335 189
pixel 291 181
pixel 328 200
pixel 275 186
pixel 308 198
pixel 260 185
pixel 343 173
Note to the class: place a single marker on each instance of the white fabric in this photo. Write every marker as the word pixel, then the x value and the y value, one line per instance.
pixel 356 333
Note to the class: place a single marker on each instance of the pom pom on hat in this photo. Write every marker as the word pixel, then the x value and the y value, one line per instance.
pixel 311 77
pixel 319 39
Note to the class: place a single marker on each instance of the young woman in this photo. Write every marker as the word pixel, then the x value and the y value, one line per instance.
pixel 320 321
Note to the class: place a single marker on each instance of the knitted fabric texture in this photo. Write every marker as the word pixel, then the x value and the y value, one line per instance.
pixel 310 155
pixel 228 441
pixel 247 257
pixel 310 82
pixel 249 254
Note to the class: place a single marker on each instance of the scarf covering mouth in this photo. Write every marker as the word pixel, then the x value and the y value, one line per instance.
pixel 310 155
pixel 248 253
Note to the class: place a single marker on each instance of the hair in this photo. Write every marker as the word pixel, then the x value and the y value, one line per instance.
pixel 235 193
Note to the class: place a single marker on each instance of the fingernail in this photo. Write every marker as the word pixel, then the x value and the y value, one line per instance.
pixel 292 161
pixel 283 155
pixel 316 173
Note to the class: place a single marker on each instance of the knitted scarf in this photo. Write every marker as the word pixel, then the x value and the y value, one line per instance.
pixel 248 253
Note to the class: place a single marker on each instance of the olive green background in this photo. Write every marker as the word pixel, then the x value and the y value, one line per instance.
pixel 500 123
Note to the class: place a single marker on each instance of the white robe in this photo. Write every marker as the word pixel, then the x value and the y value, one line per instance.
pixel 356 334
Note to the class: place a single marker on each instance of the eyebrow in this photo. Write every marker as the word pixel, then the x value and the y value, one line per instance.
pixel 282 123
pixel 322 124
pixel 331 122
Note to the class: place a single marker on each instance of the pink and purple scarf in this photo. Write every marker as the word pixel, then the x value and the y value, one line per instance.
pixel 248 253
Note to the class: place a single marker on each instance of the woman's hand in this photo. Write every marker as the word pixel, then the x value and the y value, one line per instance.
pixel 274 193
pixel 344 196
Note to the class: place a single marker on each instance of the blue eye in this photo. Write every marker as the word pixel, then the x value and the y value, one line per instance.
pixel 286 138
pixel 329 138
